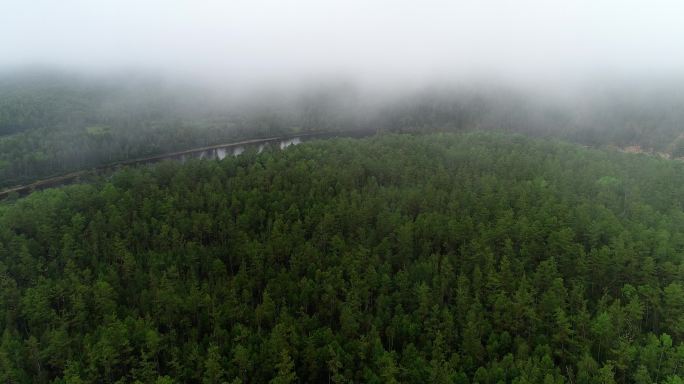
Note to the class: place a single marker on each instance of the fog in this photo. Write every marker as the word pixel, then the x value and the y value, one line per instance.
pixel 86 83
pixel 608 72
pixel 533 43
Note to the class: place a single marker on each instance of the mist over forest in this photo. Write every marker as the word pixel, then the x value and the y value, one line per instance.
pixel 55 121
pixel 470 192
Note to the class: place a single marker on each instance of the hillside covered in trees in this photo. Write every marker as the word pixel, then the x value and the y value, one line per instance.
pixel 445 258
pixel 54 122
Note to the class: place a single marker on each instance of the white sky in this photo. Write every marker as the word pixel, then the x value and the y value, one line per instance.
pixel 389 40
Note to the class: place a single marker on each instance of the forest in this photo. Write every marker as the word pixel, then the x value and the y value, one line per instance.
pixel 54 122
pixel 400 258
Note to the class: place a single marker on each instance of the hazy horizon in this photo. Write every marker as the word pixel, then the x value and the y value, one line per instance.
pixel 407 44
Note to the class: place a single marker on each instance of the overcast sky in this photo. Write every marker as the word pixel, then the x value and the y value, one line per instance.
pixel 390 40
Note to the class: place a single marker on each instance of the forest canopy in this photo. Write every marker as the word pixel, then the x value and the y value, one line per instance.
pixel 54 122
pixel 444 258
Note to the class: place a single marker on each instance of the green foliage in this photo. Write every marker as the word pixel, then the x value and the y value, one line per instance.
pixel 442 258
pixel 53 123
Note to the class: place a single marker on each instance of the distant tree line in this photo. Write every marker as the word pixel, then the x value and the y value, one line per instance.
pixel 52 123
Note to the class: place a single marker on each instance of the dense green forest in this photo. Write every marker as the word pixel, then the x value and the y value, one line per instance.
pixel 444 258
pixel 53 122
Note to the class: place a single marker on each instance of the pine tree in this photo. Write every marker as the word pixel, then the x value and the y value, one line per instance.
pixel 213 371
pixel 285 370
